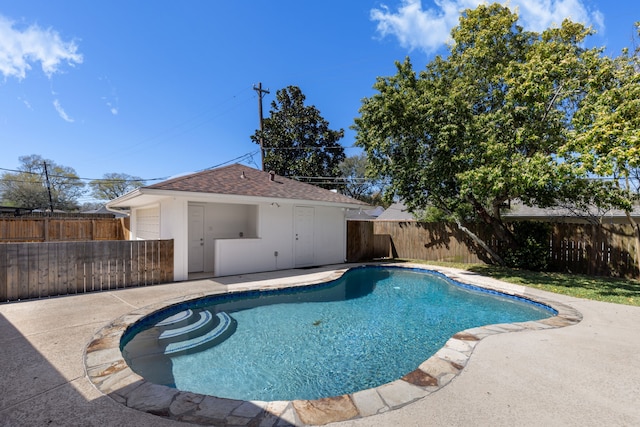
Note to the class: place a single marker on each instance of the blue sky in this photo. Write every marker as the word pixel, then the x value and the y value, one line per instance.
pixel 156 89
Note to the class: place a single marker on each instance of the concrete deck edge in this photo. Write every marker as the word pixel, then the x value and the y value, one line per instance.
pixel 110 374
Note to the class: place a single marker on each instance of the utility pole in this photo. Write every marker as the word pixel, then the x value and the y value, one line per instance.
pixel 260 95
pixel 46 174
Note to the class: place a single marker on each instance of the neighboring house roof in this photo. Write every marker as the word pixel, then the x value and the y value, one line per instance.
pixel 103 210
pixel 519 211
pixel 365 214
pixel 396 212
pixel 239 181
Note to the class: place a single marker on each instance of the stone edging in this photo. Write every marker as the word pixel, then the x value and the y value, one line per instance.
pixel 108 371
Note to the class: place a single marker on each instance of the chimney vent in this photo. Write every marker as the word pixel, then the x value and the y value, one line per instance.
pixel 272 176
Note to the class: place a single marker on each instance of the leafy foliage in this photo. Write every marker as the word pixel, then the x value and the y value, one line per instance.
pixel 114 185
pixel 532 246
pixel 493 121
pixel 606 137
pixel 28 187
pixel 298 142
pixel 357 184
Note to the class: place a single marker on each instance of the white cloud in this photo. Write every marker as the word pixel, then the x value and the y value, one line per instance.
pixel 428 29
pixel 25 102
pixel 61 111
pixel 19 49
pixel 112 100
pixel 541 14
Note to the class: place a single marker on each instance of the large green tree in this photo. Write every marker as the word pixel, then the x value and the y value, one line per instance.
pixel 28 186
pixel 489 123
pixel 298 142
pixel 114 185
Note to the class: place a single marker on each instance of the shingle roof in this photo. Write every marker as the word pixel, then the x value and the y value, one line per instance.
pixel 396 212
pixel 242 180
pixel 519 210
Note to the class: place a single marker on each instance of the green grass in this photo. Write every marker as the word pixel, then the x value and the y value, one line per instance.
pixel 614 290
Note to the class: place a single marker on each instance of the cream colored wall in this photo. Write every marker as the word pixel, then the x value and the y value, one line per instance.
pixel 267 228
pixel 237 256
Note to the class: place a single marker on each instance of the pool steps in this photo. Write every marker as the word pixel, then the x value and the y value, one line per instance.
pixel 186 331
pixel 170 335
pixel 224 325
pixel 179 319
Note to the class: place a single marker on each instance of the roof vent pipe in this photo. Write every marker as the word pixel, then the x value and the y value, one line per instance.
pixel 272 176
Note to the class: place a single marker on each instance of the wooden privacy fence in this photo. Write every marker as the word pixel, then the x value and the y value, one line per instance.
pixel 43 229
pixel 594 249
pixel 579 248
pixel 36 270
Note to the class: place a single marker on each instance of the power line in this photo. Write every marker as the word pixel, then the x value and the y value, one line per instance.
pixel 243 157
pixel 79 178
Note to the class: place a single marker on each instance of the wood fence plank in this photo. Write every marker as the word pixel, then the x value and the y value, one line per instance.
pixel 33 270
pixel 63 268
pixel 89 267
pixel 166 261
pixel 43 270
pixel 127 259
pixel 13 279
pixel 80 260
pixel 112 258
pixel 73 251
pixel 23 271
pixel 3 273
pixel 99 252
pixel 135 263
pixel 155 264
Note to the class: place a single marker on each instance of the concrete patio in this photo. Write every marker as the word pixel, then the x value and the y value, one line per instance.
pixel 585 374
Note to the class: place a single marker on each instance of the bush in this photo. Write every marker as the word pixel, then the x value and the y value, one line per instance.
pixel 532 246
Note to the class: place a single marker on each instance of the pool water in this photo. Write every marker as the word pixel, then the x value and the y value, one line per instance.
pixel 370 327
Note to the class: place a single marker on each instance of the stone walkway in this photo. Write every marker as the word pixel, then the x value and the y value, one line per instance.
pixel 63 352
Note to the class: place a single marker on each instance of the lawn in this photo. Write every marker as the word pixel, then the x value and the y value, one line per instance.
pixel 614 290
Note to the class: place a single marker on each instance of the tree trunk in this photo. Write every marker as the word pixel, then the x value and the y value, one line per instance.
pixel 481 242
pixel 473 236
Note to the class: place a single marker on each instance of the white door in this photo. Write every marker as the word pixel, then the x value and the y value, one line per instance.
pixel 303 235
pixel 196 239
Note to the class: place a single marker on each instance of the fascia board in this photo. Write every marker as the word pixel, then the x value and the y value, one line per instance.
pixel 148 194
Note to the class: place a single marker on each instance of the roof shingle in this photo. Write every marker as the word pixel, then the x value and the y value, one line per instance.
pixel 242 180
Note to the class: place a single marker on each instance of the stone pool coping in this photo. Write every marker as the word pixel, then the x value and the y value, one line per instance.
pixel 110 374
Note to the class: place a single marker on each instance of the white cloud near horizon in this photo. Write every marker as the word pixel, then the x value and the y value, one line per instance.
pixel 19 49
pixel 61 111
pixel 428 29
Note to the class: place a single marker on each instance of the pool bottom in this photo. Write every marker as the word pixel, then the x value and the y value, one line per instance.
pixel 109 372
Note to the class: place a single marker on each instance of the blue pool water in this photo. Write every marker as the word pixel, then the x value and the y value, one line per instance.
pixel 368 328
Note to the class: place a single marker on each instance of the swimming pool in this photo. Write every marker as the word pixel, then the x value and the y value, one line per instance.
pixel 369 327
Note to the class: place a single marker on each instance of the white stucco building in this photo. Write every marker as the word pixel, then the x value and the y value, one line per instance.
pixel 236 219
